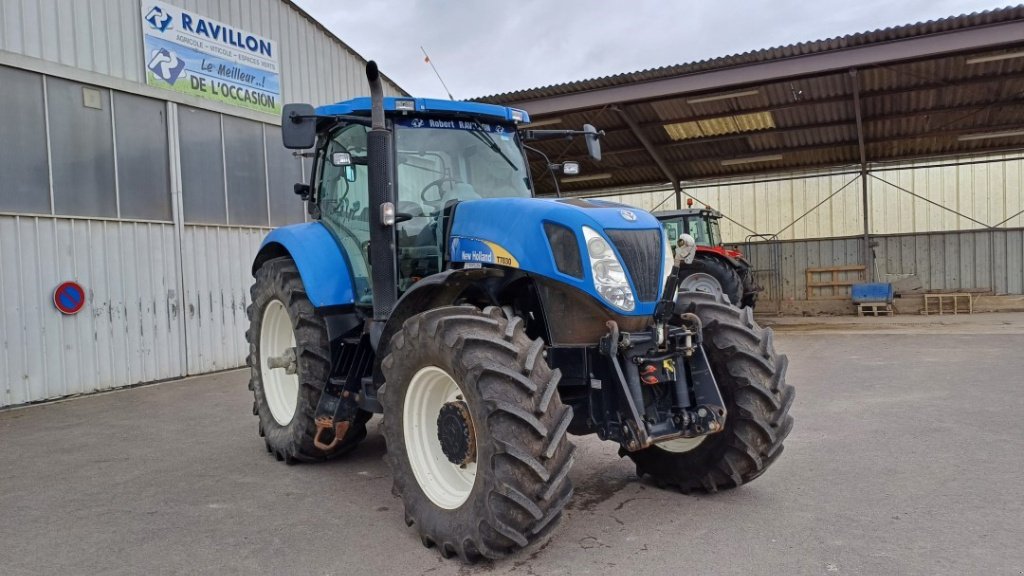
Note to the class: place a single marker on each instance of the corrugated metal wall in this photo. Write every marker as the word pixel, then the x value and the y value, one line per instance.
pixel 965 260
pixel 103 40
pixel 989 190
pixel 164 299
pixel 217 260
pixel 130 330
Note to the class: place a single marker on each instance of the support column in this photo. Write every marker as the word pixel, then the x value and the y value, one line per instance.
pixel 679 194
pixel 869 261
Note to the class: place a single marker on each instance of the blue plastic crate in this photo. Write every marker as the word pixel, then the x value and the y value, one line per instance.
pixel 872 292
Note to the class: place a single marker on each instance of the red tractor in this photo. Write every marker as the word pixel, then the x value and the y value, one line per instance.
pixel 715 269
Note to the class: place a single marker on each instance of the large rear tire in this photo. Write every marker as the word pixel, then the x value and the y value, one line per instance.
pixel 283 325
pixel 752 379
pixel 476 432
pixel 711 276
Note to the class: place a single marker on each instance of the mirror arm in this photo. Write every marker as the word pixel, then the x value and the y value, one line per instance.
pixel 549 134
pixel 547 162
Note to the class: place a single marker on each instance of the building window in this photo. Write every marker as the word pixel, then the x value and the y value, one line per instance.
pixel 81 149
pixel 246 172
pixel 284 171
pixel 24 176
pixel 143 175
pixel 202 166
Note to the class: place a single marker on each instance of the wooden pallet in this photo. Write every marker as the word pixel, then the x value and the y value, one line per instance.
pixel 874 309
pixel 833 282
pixel 962 303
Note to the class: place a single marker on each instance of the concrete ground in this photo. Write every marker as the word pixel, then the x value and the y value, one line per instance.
pixel 907 458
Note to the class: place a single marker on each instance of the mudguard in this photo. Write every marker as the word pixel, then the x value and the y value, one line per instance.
pixel 325 272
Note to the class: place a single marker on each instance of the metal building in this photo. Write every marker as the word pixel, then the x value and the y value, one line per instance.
pixel 140 157
pixel 899 150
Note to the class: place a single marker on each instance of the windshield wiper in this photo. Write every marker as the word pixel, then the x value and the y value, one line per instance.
pixel 484 137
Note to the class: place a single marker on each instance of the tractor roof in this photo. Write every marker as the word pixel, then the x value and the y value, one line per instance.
pixel 670 214
pixel 361 107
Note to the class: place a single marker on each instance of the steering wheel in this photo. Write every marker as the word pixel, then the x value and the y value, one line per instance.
pixel 436 184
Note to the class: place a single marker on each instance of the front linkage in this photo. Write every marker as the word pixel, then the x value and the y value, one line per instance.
pixel 664 357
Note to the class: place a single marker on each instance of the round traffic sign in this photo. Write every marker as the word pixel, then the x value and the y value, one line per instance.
pixel 69 297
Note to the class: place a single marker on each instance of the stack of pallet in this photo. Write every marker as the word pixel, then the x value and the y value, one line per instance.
pixel 873 298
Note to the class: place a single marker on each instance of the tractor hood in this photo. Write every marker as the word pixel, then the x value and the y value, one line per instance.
pixel 546 237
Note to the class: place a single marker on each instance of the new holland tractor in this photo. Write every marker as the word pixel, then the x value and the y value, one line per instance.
pixel 715 269
pixel 487 326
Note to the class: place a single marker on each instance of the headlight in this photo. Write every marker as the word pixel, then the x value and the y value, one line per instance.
pixel 609 276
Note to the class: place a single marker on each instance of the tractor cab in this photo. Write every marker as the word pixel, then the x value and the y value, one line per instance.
pixel 441 156
pixel 716 268
pixel 701 223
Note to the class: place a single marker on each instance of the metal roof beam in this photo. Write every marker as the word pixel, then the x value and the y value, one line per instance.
pixel 651 149
pixel 957 41
pixel 800 172
pixel 841 143
pixel 1001 79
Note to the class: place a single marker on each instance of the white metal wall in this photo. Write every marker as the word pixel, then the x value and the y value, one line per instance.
pixel 990 191
pixel 130 330
pixel 217 261
pixel 100 42
pixel 991 260
pixel 164 299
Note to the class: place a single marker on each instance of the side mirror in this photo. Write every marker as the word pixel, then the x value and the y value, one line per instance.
pixel 302 190
pixel 570 168
pixel 593 141
pixel 298 126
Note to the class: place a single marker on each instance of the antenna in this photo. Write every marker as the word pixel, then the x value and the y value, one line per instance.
pixel 438 74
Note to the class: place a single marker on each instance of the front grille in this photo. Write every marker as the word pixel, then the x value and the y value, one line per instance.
pixel 641 254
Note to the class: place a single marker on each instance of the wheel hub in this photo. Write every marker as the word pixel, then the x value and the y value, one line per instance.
pixel 455 433
pixel 701 282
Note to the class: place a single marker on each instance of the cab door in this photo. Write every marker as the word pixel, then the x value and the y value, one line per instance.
pixel 342 195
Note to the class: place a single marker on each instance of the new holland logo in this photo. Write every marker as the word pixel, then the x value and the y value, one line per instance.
pixel 628 215
pixel 158 19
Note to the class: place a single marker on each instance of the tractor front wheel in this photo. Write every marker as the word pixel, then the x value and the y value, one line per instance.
pixel 752 379
pixel 476 432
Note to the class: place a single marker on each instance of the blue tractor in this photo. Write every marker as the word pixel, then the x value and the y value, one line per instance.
pixel 487 326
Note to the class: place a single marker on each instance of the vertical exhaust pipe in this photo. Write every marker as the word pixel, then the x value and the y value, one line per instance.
pixel 384 269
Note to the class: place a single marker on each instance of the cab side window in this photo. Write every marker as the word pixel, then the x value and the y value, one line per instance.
pixel 343 196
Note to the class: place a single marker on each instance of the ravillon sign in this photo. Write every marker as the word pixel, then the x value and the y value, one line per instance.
pixel 195 55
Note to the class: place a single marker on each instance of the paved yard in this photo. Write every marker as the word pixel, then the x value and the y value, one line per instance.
pixel 907 458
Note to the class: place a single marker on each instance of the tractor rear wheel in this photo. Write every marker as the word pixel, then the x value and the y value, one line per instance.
pixel 711 276
pixel 476 432
pixel 289 362
pixel 752 379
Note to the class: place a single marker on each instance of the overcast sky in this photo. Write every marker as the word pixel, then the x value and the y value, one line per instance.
pixel 484 47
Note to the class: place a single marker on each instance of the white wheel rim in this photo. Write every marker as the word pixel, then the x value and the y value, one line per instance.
pixel 701 282
pixel 680 445
pixel 280 388
pixel 447 485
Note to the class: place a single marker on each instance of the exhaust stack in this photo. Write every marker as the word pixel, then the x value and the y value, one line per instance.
pixel 384 275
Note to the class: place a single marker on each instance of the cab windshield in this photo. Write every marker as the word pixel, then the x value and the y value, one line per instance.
pixel 704 231
pixel 442 161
